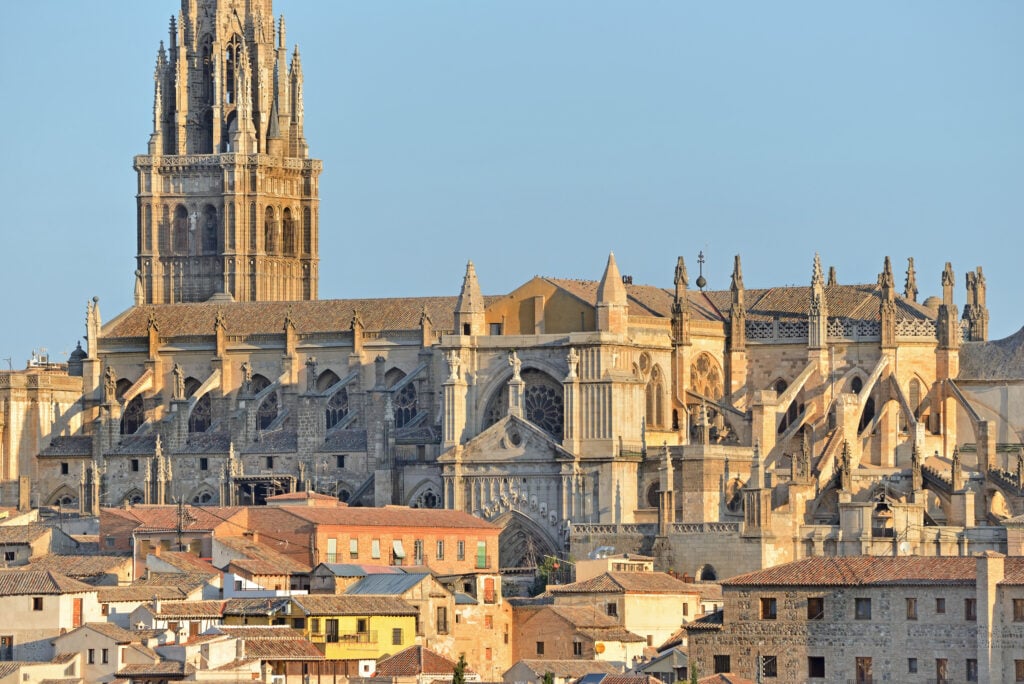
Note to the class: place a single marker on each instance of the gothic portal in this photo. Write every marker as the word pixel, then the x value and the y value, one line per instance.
pixel 228 196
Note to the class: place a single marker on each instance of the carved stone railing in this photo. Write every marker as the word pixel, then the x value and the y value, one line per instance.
pixel 851 329
pixel 612 528
pixel 918 327
pixel 705 528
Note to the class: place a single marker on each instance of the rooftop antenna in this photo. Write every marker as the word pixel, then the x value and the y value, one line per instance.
pixel 701 280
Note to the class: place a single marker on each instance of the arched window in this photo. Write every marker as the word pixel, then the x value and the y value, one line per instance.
pixel 202 415
pixel 202 498
pixel 653 495
pixel 792 411
pixel 231 57
pixel 209 229
pixel 654 395
pixel 337 407
pixel 133 417
pixel 267 411
pixel 856 385
pixel 134 496
pixel 307 231
pixel 269 231
pixel 326 380
pixel 288 226
pixel 706 377
pixel 180 230
pixel 543 404
pixel 253 218
pixel 404 405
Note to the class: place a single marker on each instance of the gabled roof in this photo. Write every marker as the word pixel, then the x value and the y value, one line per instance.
pixel 156 518
pixel 188 563
pixel 162 668
pixel 389 516
pixel 354 605
pixel 139 593
pixel 256 606
pixel 626 582
pixel 187 609
pixel 414 661
pixel 79 445
pixel 387 584
pixel 22 534
pixel 80 566
pixel 261 559
pixel 359 570
pixel 119 635
pixel 22 582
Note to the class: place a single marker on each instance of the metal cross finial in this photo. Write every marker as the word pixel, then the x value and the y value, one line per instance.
pixel 701 280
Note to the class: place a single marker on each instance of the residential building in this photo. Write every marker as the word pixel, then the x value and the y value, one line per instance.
pixel 554 632
pixel 531 671
pixel 105 648
pixel 184 619
pixel 417 665
pixel 38 606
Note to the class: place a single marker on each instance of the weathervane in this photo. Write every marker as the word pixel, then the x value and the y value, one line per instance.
pixel 701 280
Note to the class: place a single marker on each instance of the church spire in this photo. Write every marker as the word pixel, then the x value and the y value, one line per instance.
pixel 817 313
pixel 680 304
pixel 887 306
pixel 469 308
pixel 612 301
pixel 975 311
pixel 738 310
pixel 910 286
pixel 948 326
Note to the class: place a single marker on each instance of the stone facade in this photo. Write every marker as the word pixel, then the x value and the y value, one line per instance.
pixel 718 430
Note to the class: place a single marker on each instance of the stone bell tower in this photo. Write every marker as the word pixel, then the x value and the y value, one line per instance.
pixel 228 197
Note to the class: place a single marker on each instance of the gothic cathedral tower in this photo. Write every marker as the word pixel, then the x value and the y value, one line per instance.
pixel 228 197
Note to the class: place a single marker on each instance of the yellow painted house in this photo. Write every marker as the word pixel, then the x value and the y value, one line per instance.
pixel 357 627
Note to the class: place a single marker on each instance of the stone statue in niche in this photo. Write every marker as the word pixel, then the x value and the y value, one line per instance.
pixel 179 382
pixel 109 386
pixel 454 362
pixel 310 373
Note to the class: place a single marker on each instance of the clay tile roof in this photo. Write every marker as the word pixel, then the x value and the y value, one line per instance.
pixel 712 622
pixel 295 648
pixel 354 605
pixel 22 534
pixel 156 518
pixel 211 442
pixel 256 606
pixel 630 679
pixel 257 631
pixel 261 559
pixel 415 661
pixel 139 594
pixel 22 582
pixel 628 582
pixel 862 570
pixel 164 667
pixel 275 442
pixel 188 563
pixel 187 581
pixel 390 516
pixel 79 566
pixel 569 668
pixel 68 446
pixel 135 445
pixel 583 616
pixel 300 496
pixel 724 678
pixel 189 609
pixel 247 318
pixel 111 631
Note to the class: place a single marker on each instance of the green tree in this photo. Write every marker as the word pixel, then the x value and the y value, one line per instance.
pixel 546 570
pixel 549 678
pixel 693 672
pixel 459 674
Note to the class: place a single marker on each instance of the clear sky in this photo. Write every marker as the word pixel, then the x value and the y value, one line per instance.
pixel 535 136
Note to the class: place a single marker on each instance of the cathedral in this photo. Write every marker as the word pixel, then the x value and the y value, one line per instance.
pixel 719 430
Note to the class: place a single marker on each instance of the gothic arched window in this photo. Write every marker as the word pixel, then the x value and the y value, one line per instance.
pixel 179 230
pixel 288 228
pixel 202 415
pixel 706 377
pixel 404 405
pixel 209 230
pixel 267 411
pixel 133 417
pixel 231 57
pixel 337 407
pixel 654 401
pixel 269 231
pixel 543 404
pixel 307 231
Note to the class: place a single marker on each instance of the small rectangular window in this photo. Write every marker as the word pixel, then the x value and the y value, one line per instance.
pixel 489 621
pixel 911 608
pixel 417 551
pixel 769 666
pixel 314 625
pixel 540 648
pixel 481 554
pixel 487 653
pixel 238 585
pixel 204 463
pixel 353 548
pixel 340 460
pixel 768 608
pixel 721 663
pixel 37 603
pixel 495 328
pixel 92 656
pixel 64 468
pixel 912 665
pixel 270 462
pixel 375 548
pixel 104 656
pixel 440 549
pixel 396 636
pixel 816 608
pixel 612 609
pixel 862 608
pixel 971 669
pixel 941 670
pixel 970 609
pixel 460 550
pixel 940 605
pixel 135 465
pixel 686 609
pixel 8 556
pixel 815 666
pixel 577 648
pixel 1018 610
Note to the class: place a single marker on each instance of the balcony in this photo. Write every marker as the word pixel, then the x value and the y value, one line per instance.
pixel 356 638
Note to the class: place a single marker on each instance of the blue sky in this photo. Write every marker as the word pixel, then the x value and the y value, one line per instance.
pixel 534 137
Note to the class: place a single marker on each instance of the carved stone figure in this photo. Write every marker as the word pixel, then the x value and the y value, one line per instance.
pixel 573 359
pixel 246 378
pixel 310 373
pixel 517 365
pixel 109 386
pixel 179 382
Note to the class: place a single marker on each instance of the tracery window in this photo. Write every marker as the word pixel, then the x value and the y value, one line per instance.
pixel 133 417
pixel 404 405
pixel 706 377
pixel 202 498
pixel 543 404
pixel 267 411
pixel 269 231
pixel 337 407
pixel 209 230
pixel 288 246
pixel 202 415
pixel 654 395
pixel 180 230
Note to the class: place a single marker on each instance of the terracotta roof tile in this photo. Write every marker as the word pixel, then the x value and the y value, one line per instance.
pixel 256 606
pixel 415 661
pixel 78 567
pixel 295 648
pixel 354 605
pixel 261 558
pixel 189 609
pixel 68 446
pixel 154 518
pixel 569 668
pixel 22 534
pixel 390 516
pixel 211 442
pixel 274 442
pixel 139 594
pixel 21 582
pixel 628 582
pixel 188 563
pixel 164 667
